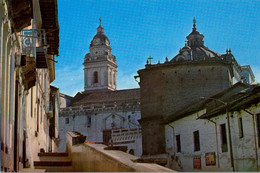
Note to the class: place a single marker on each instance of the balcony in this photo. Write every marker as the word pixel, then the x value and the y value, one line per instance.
pixel 20 13
pixel 34 44
pixel 49 14
pixel 29 73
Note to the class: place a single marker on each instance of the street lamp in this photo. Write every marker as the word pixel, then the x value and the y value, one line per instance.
pixel 229 129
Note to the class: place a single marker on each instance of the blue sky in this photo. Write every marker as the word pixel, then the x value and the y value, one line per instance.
pixel 158 28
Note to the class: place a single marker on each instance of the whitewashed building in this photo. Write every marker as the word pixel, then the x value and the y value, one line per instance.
pixel 174 127
pixel 221 133
pixel 101 112
pixel 98 121
pixel 65 100
pixel 27 102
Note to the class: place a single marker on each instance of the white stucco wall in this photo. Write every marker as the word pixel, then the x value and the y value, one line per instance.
pixel 244 150
pixel 132 138
pixel 64 101
pixel 40 139
pixel 13 74
pixel 99 121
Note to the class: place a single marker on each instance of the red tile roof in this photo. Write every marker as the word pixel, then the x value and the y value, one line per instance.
pixel 118 96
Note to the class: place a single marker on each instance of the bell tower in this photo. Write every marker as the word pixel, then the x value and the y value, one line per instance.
pixel 100 65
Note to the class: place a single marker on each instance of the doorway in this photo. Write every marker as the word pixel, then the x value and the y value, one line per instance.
pixel 106 136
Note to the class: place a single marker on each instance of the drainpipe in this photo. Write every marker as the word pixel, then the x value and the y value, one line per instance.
pixel 2 54
pixel 7 117
pixel 230 141
pixel 172 132
pixel 172 142
pixel 229 130
pixel 1 41
pixel 216 139
pixel 253 116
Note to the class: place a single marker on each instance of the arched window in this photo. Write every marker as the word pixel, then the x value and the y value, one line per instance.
pixel 95 77
pixel 114 77
pixel 110 75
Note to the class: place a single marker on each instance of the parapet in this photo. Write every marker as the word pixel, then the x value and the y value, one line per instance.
pixel 92 157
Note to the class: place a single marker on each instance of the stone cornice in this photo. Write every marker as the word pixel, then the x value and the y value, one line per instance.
pixel 188 62
pixel 92 109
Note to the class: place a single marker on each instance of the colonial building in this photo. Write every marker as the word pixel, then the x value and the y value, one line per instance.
pixel 173 86
pixel 100 65
pixel 221 133
pixel 65 100
pixel 29 42
pixel 101 112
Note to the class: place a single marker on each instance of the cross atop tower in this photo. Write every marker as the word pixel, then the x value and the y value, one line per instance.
pixel 150 59
pixel 194 22
pixel 195 38
pixel 100 67
pixel 100 21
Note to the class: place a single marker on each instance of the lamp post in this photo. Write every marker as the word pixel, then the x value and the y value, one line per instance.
pixel 229 129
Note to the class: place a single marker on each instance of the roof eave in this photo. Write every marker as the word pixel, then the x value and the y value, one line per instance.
pixel 49 13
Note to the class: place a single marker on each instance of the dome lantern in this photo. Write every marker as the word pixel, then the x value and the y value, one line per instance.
pixel 195 38
pixel 100 39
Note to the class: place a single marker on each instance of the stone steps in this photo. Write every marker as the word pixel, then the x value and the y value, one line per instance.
pixel 53 157
pixel 56 168
pixel 31 170
pixel 54 154
pixel 54 162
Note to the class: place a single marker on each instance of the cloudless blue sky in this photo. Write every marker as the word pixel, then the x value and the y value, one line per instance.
pixel 158 28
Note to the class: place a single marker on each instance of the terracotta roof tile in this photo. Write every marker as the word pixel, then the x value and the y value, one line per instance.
pixel 119 96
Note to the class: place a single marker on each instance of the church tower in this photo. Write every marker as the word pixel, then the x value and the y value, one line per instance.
pixel 100 65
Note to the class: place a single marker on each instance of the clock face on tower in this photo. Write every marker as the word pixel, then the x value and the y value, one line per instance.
pixel 96 41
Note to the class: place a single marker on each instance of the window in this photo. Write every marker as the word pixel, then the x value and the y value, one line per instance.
pixel 196 137
pixel 110 75
pixel 41 107
pixel 95 77
pixel 114 78
pixel 240 127
pixel 258 128
pixel 178 142
pixel 67 120
pixel 223 137
pixel 32 102
pixel 89 121
pixel 38 110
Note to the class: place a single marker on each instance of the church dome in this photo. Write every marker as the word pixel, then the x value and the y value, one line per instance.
pixel 185 48
pixel 195 49
pixel 100 39
pixel 100 49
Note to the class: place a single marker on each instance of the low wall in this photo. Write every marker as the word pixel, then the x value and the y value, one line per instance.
pixel 89 157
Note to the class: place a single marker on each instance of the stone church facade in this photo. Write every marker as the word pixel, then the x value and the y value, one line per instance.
pixel 101 112
pixel 169 87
